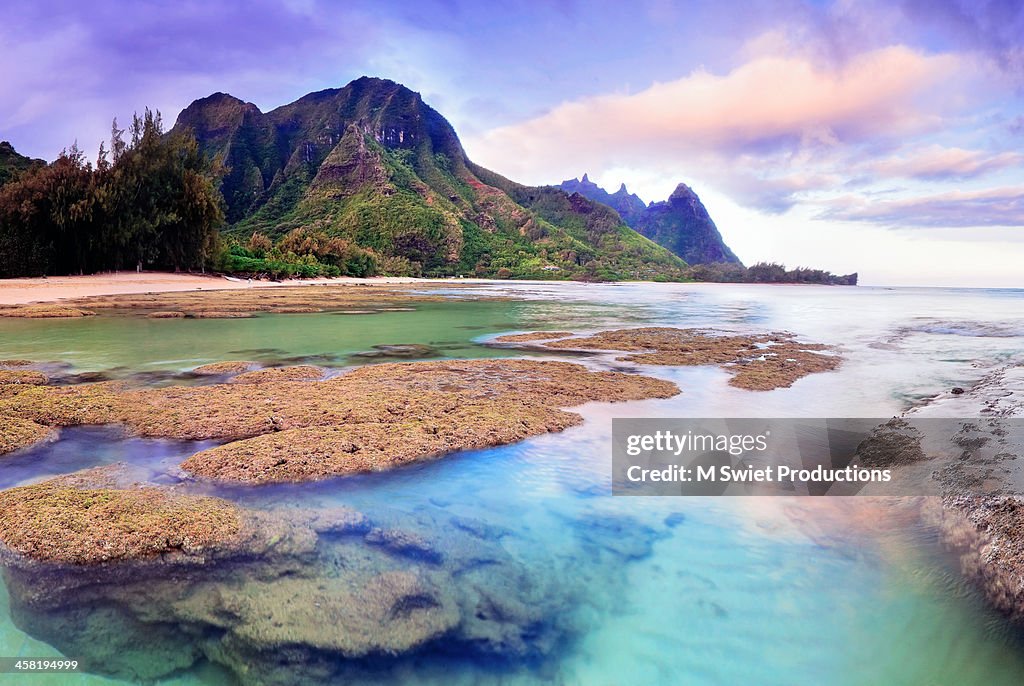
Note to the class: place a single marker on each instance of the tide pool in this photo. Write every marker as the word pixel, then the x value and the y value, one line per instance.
pixel 643 590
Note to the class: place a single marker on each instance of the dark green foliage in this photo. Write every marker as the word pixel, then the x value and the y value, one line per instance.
pixel 766 272
pixel 154 204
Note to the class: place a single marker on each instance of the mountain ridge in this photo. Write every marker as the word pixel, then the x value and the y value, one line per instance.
pixel 681 223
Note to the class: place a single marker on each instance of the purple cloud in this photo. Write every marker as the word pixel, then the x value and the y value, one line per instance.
pixel 998 207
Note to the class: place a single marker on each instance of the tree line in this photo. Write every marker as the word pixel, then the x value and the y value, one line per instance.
pixel 766 272
pixel 151 200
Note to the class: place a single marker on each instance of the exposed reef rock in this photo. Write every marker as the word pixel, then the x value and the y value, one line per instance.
pixel 23 376
pixel 223 368
pixel 44 311
pixel 894 444
pixel 55 523
pixel 533 336
pixel 757 362
pixel 974 443
pixel 399 351
pixel 372 418
pixel 16 434
pixel 302 372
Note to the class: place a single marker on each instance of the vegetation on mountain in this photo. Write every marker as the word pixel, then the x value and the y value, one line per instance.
pixel 359 181
pixel 382 178
pixel 682 224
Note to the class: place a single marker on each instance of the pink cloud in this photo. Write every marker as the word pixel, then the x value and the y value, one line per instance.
pixel 937 162
pixel 768 103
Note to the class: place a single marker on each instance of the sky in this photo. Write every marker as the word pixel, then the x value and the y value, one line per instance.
pixel 879 136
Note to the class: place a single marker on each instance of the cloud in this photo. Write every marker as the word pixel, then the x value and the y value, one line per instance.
pixel 993 207
pixel 940 163
pixel 758 123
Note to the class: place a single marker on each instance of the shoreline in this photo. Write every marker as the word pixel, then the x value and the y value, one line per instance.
pixel 50 289
pixel 47 289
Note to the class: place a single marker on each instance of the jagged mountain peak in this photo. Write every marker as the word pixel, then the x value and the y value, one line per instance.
pixel 681 223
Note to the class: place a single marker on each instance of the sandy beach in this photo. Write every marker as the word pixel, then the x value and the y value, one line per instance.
pixel 54 288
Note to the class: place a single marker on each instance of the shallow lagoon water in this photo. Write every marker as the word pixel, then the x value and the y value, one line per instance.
pixel 729 593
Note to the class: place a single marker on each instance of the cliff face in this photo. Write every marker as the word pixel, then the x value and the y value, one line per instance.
pixel 372 163
pixel 681 223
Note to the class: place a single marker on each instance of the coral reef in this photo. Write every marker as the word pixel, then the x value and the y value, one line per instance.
pixel 533 336
pixel 757 362
pixel 399 351
pixel 56 523
pixel 372 418
pixel 22 376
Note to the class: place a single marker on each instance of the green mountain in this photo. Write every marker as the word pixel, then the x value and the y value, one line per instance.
pixel 681 223
pixel 373 165
pixel 13 163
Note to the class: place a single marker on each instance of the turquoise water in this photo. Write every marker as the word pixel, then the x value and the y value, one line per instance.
pixel 663 591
